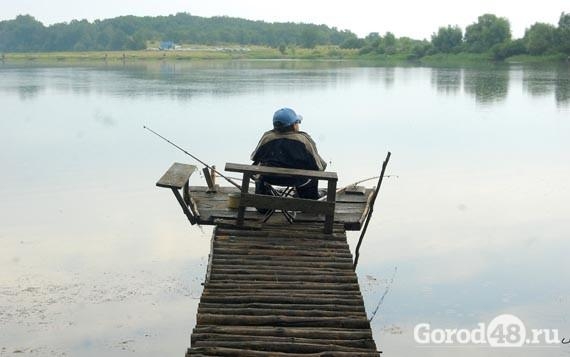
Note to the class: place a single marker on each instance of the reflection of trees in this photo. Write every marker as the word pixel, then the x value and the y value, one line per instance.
pixel 446 80
pixel 186 80
pixel 541 81
pixel 538 82
pixel 29 91
pixel 487 85
pixel 562 88
pixel 28 83
pixel 379 75
pixel 383 74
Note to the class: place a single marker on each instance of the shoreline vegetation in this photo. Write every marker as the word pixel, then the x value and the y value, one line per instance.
pixel 186 37
pixel 324 53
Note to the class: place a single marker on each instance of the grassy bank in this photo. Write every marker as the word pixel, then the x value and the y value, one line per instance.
pixel 459 59
pixel 556 58
pixel 186 53
pixel 200 52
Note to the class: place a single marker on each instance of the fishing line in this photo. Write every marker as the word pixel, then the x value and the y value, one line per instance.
pixel 192 156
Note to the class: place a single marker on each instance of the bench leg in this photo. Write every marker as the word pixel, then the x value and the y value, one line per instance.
pixel 184 206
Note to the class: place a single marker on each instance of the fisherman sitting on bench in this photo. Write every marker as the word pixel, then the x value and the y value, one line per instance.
pixel 286 146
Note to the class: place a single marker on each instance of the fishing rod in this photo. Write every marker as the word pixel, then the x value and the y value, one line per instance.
pixel 194 157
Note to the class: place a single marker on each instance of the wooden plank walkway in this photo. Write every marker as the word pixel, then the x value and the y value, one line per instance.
pixel 284 290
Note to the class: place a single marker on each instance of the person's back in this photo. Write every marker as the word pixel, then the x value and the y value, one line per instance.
pixel 286 146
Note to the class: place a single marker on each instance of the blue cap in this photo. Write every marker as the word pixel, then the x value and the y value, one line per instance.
pixel 286 117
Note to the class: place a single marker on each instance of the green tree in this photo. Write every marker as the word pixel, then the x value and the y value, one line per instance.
pixel 420 49
pixel 24 33
pixel 540 38
pixel 389 43
pixel 489 31
pixel 373 39
pixel 563 33
pixel 131 32
pixel 448 39
pixel 507 49
pixel 406 45
pixel 353 43
pixel 309 37
pixel 135 42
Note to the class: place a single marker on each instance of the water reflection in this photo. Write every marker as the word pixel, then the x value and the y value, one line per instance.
pixel 29 92
pixel 186 80
pixel 562 91
pixel 27 84
pixel 446 80
pixel 539 82
pixel 545 81
pixel 488 86
pixel 189 79
pixel 384 75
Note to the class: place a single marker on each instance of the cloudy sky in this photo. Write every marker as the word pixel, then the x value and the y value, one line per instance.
pixel 414 18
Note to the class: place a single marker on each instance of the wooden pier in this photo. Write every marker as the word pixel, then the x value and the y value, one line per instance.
pixel 281 291
pixel 277 288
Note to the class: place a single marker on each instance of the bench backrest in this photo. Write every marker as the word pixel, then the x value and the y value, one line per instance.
pixel 271 202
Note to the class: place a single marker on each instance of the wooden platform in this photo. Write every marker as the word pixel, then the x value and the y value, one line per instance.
pixel 283 290
pixel 350 209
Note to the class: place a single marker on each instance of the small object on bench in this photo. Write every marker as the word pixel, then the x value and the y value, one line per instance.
pixel 233 200
pixel 355 190
pixel 176 178
pixel 284 203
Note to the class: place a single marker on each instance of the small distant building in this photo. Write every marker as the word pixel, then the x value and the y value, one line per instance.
pixel 166 45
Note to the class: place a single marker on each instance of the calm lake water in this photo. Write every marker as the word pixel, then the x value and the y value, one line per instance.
pixel 473 223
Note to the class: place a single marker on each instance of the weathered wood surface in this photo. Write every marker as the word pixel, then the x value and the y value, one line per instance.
pixel 349 210
pixel 272 202
pixel 279 171
pixel 176 176
pixel 281 291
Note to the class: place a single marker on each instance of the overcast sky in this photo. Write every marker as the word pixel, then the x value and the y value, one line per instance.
pixel 413 18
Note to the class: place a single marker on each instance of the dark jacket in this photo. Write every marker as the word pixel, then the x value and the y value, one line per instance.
pixel 295 150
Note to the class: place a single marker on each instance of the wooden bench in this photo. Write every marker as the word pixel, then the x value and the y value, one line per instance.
pixel 177 178
pixel 285 203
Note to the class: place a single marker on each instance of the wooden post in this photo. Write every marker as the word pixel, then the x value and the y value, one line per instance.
pixel 244 190
pixel 209 181
pixel 331 197
pixel 213 175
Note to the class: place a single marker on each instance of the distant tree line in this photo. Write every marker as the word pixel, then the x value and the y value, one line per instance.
pixel 490 34
pixel 493 34
pixel 25 33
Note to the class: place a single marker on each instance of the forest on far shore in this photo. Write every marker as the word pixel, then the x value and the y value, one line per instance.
pixel 489 34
